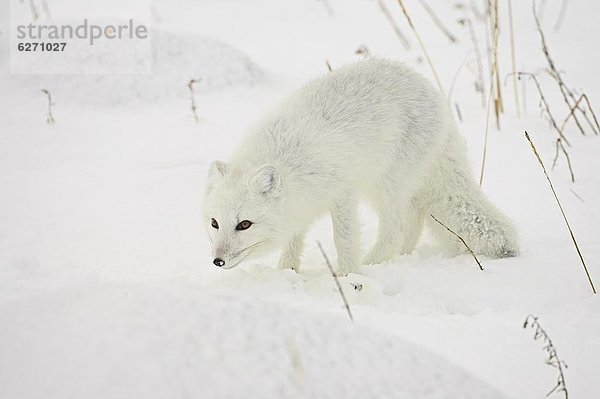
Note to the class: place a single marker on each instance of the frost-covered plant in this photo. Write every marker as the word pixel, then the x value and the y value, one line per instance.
pixel 553 360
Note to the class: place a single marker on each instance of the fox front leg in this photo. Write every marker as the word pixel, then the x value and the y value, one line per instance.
pixel 345 234
pixel 290 256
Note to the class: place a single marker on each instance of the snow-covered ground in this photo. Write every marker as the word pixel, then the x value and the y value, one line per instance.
pixel 106 285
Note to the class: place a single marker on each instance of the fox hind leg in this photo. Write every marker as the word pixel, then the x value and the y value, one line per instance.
pixel 400 225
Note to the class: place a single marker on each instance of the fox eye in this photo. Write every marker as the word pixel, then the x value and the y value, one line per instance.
pixel 214 223
pixel 243 225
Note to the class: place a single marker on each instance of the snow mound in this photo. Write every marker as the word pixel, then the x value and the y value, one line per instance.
pixel 176 58
pixel 170 341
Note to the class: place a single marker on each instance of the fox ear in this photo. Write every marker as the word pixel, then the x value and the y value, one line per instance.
pixel 216 171
pixel 267 180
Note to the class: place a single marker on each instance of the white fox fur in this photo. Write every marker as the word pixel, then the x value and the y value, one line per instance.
pixel 374 130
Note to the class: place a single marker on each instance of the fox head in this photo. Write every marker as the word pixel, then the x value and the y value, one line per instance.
pixel 242 212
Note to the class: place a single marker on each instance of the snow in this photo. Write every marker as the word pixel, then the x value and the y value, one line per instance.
pixel 106 286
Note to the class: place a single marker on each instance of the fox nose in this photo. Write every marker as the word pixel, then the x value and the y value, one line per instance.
pixel 219 262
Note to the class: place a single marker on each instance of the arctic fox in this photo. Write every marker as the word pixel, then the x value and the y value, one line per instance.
pixel 374 130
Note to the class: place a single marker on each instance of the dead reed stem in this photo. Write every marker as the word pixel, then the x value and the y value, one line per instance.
pixel 546 108
pixel 337 281
pixel 461 240
pixel 539 159
pixel 393 24
pixel 495 75
pixel 513 58
pixel 412 26
pixel 436 20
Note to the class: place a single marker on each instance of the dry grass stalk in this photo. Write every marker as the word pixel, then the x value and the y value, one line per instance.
pixel 328 65
pixel 488 34
pixel 50 116
pixel 190 86
pixel 553 360
pixel 436 20
pixel 546 107
pixel 495 74
pixel 461 240
pixel 561 147
pixel 567 93
pixel 513 58
pixel 537 155
pixel 455 77
pixel 479 82
pixel 393 24
pixel 412 26
pixel 337 281
pixel 475 10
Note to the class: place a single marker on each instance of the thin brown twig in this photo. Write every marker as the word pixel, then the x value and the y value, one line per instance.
pixel 546 108
pixel 577 195
pixel 567 93
pixel 571 113
pixel 388 15
pixel 539 159
pixel 461 239
pixel 337 281
pixel 561 147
